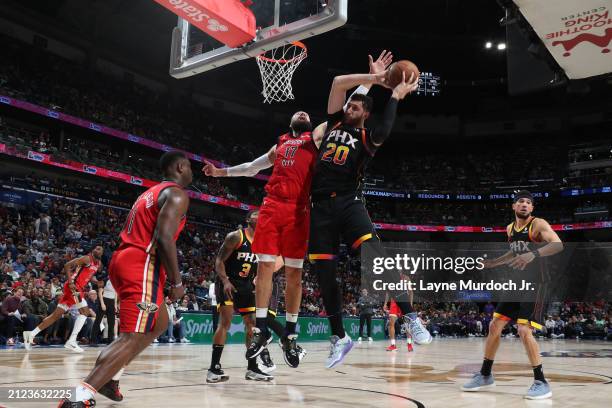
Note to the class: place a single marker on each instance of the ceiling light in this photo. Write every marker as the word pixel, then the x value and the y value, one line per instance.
pixel 501 46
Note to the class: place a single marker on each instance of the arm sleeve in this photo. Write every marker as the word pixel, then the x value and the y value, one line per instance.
pixel 251 168
pixel 382 131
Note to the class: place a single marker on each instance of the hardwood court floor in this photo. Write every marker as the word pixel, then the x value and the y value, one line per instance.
pixel 174 376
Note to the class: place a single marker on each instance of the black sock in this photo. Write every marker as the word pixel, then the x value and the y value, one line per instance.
pixel 262 324
pixel 486 367
pixel 252 363
pixel 217 349
pixel 275 325
pixel 335 321
pixel 290 328
pixel 538 374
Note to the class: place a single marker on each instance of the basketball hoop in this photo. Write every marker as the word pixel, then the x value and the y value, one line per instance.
pixel 277 67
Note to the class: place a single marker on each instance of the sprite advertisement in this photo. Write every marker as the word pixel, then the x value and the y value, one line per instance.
pixel 199 328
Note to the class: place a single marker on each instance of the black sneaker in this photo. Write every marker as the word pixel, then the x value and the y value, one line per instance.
pixel 265 363
pixel 215 375
pixel 258 343
pixel 111 391
pixel 290 350
pixel 78 404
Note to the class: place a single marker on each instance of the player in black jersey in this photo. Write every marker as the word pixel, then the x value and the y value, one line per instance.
pixel 338 208
pixel 236 266
pixel 530 240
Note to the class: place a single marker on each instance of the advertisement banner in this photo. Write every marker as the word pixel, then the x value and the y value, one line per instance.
pixel 199 328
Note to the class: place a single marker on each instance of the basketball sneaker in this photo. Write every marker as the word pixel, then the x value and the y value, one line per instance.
pixel 414 326
pixel 370 340
pixel 392 347
pixel 257 375
pixel 479 382
pixel 539 390
pixel 359 340
pixel 216 375
pixel 77 404
pixel 28 340
pixel 258 342
pixel 410 348
pixel 265 363
pixel 302 352
pixel 338 350
pixel 290 350
pixel 111 391
pixel 72 345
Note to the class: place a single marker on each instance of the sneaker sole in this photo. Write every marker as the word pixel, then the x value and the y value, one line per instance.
pixel 222 379
pixel 474 389
pixel 73 349
pixel 539 397
pixel 261 348
pixel 110 396
pixel 247 377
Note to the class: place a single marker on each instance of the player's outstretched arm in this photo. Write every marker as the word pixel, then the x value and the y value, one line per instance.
pixel 229 244
pixel 173 209
pixel 376 67
pixel 343 83
pixel 383 130
pixel 248 169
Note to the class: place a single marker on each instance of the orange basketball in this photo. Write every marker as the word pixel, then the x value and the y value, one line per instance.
pixel 394 73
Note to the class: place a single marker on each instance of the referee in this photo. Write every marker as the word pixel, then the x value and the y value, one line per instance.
pixel 366 305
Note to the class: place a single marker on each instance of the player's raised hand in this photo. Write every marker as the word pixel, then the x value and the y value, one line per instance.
pixel 210 170
pixel 382 62
pixel 407 86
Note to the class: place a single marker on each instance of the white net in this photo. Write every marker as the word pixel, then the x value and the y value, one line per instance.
pixel 277 67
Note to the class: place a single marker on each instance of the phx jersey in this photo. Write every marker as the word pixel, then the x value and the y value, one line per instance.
pixel 344 155
pixel 530 313
pixel 241 268
pixel 521 241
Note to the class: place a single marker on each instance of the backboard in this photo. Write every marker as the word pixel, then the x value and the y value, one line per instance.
pixel 279 22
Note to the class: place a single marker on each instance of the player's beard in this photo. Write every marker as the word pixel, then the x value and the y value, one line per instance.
pixel 301 126
pixel 521 216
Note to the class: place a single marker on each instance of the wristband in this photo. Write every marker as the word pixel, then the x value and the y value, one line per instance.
pixel 536 253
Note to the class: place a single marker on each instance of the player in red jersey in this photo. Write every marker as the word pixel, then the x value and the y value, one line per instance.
pixel 284 220
pixel 138 270
pixel 79 272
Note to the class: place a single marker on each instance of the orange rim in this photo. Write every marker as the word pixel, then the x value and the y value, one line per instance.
pixel 284 61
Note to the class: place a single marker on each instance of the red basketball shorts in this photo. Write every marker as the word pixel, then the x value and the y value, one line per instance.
pixel 394 309
pixel 282 229
pixel 71 298
pixel 139 280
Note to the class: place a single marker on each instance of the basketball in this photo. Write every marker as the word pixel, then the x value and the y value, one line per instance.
pixel 394 73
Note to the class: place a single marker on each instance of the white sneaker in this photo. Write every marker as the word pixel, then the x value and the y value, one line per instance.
pixel 155 341
pixel 184 340
pixel 72 345
pixel 28 339
pixel 171 340
pixel 359 340
pixel 338 350
pixel 370 340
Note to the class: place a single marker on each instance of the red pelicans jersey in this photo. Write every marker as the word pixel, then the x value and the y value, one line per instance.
pixel 292 174
pixel 83 273
pixel 139 228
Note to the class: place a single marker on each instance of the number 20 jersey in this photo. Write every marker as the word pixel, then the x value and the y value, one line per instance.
pixel 343 157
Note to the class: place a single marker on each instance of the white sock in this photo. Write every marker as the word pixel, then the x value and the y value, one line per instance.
pixel 35 332
pixel 261 312
pixel 409 340
pixel 78 325
pixel 393 342
pixel 84 392
pixel 291 317
pixel 118 375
